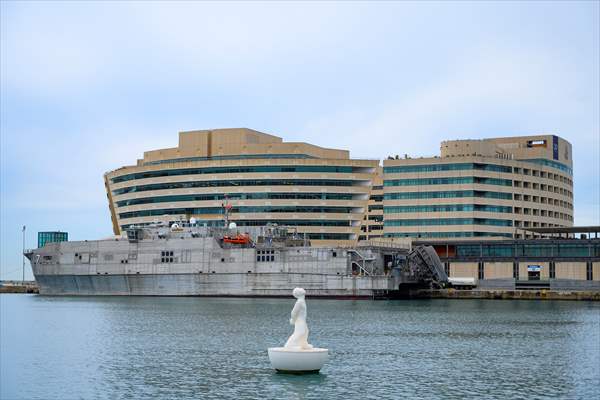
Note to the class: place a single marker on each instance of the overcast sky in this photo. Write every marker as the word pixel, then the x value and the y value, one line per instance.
pixel 88 87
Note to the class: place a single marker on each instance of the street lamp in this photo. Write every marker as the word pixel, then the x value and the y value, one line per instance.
pixel 23 254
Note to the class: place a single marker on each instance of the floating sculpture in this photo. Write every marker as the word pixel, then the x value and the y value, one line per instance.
pixel 298 356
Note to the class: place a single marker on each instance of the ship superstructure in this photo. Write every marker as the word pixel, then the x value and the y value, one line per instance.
pixel 186 259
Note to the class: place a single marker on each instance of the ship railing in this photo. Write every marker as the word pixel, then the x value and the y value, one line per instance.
pixel 385 244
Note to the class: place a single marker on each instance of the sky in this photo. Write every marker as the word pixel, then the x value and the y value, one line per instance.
pixel 87 87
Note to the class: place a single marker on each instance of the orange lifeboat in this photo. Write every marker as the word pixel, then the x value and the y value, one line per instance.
pixel 237 239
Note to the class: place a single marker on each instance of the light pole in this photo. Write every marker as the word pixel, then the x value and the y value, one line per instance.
pixel 23 254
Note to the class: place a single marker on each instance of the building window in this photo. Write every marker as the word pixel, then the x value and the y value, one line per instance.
pixel 166 256
pixel 589 271
pixel 447 268
pixel 516 270
pixel 552 270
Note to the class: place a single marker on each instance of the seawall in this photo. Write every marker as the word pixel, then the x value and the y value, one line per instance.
pixel 501 294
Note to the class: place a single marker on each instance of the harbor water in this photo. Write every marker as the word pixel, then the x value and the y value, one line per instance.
pixel 190 348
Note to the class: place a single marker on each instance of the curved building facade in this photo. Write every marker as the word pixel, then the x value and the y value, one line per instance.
pixel 261 178
pixel 492 188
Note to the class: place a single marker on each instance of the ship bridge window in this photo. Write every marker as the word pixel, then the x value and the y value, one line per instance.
pixel 166 256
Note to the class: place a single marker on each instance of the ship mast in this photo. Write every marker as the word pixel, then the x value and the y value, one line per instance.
pixel 226 207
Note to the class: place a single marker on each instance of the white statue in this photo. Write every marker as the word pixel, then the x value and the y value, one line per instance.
pixel 299 339
pixel 297 355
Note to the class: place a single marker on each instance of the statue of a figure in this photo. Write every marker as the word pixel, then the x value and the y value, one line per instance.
pixel 297 356
pixel 299 339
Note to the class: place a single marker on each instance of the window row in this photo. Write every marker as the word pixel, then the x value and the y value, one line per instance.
pixel 538 224
pixel 238 170
pixel 237 183
pixel 528 250
pixel 447 208
pixel 448 234
pixel 220 210
pixel 447 221
pixel 543 200
pixel 448 181
pixel 446 167
pixel 548 163
pixel 239 196
pixel 541 213
pixel 447 194
pixel 543 187
pixel 488 167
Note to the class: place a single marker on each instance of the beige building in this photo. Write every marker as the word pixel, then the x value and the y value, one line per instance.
pixel 372 225
pixel 263 179
pixel 491 188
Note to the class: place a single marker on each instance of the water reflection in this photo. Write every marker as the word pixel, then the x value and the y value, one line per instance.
pixel 302 386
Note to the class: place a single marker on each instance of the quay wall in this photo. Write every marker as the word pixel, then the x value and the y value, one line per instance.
pixel 590 295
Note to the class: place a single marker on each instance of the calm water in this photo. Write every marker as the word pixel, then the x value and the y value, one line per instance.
pixel 105 348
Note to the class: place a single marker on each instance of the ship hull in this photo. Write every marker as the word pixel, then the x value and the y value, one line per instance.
pixel 222 284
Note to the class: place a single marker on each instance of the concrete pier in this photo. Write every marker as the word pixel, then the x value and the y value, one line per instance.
pixel 19 287
pixel 494 294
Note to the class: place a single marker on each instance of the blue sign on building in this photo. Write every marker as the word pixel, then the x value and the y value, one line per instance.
pixel 555 147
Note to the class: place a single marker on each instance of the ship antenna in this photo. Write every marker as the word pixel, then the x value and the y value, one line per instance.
pixel 226 208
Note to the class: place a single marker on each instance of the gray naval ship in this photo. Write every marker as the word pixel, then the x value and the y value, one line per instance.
pixel 185 259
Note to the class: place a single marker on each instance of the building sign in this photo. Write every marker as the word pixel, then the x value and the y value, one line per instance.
pixel 534 268
pixel 555 147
